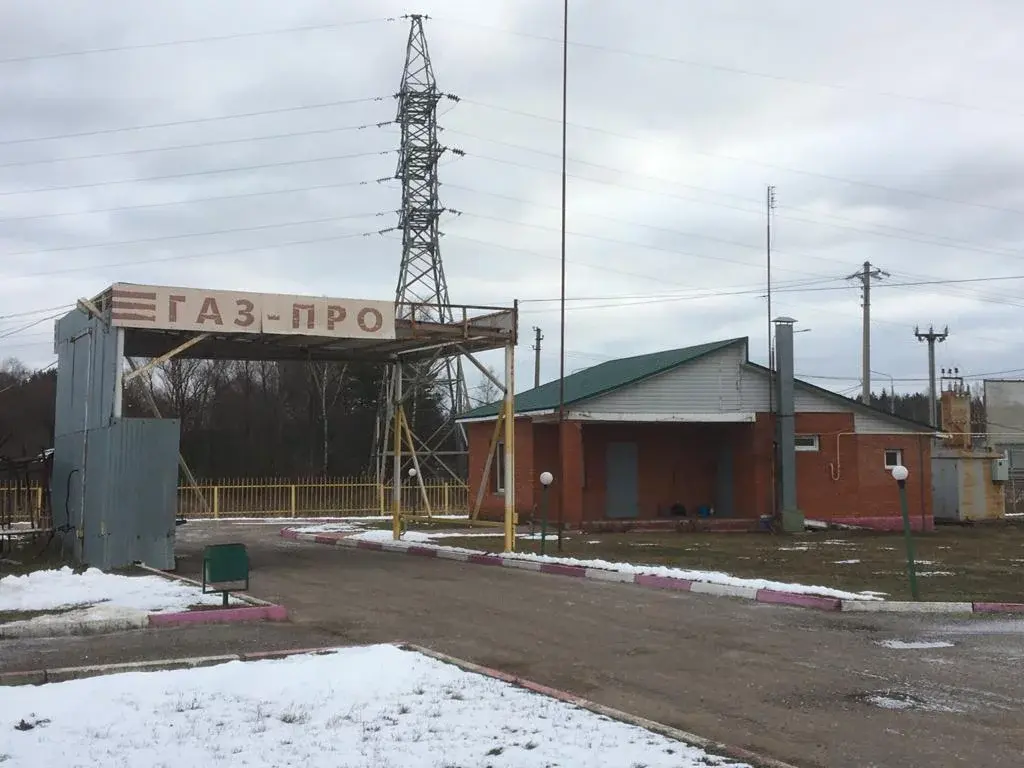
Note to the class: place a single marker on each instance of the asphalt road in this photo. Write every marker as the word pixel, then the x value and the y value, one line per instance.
pixel 807 687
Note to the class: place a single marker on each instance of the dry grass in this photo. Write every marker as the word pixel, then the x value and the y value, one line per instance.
pixel 984 562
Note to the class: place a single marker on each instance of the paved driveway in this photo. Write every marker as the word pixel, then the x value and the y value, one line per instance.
pixel 811 688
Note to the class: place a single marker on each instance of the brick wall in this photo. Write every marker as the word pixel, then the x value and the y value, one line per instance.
pixel 844 481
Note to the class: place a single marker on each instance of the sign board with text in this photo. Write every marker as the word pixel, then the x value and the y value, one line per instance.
pixel 192 309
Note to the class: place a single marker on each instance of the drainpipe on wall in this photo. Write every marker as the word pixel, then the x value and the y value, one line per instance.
pixel 792 517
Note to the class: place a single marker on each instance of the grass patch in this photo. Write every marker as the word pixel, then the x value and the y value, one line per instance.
pixel 983 562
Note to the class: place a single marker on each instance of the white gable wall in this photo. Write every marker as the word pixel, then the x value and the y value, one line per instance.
pixel 721 383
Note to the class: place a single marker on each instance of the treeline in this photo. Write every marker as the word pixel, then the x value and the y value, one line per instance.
pixel 238 419
pixel 265 419
pixel 914 406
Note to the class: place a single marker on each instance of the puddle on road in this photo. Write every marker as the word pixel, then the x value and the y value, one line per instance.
pixel 904 700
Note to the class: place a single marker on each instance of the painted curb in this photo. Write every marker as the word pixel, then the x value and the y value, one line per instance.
pixel 219 616
pixel 713 747
pixel 767 596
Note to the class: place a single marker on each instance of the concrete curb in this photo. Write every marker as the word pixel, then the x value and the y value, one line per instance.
pixel 769 596
pixel 691 739
pixel 62 674
pixel 73 628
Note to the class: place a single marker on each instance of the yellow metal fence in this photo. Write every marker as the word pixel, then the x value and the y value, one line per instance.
pixel 276 497
pixel 24 504
pixel 319 497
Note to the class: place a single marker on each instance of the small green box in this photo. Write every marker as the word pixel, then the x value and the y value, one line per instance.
pixel 225 569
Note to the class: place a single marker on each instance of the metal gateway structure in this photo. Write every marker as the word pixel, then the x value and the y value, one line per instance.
pixel 115 480
pixel 436 387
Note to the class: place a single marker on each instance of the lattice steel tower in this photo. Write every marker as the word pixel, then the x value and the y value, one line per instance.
pixel 422 290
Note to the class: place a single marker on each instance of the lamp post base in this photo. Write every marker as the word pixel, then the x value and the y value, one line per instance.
pixel 792 521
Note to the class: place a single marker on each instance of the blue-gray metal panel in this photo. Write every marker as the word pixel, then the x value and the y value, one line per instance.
pixel 87 367
pixel 946 488
pixel 131 493
pixel 622 481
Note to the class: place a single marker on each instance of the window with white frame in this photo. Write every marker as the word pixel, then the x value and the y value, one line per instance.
pixel 499 468
pixel 807 443
pixel 893 457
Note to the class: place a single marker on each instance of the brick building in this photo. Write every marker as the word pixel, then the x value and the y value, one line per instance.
pixel 691 429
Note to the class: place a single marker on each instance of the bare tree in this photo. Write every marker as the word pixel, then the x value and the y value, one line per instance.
pixel 486 391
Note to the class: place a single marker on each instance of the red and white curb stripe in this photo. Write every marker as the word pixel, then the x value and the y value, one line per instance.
pixel 63 674
pixel 771 596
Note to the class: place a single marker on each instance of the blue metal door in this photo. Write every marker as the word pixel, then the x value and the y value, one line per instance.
pixel 622 481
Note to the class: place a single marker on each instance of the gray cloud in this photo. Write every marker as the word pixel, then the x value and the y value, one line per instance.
pixel 665 199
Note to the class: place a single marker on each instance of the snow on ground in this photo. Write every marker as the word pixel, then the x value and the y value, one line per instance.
pixel 95 596
pixel 712 577
pixel 900 645
pixel 374 706
pixel 846 562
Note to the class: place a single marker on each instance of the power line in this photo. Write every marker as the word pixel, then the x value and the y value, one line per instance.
pixel 192 40
pixel 192 174
pixel 902 234
pixel 231 251
pixel 829 177
pixel 196 120
pixel 197 145
pixel 207 233
pixel 191 201
pixel 744 72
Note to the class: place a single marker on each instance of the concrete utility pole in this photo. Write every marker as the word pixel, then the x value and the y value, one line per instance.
pixel 792 518
pixel 538 338
pixel 931 337
pixel 866 274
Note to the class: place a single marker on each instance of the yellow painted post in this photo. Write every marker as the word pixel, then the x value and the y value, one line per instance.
pixel 447 499
pixel 216 501
pixel 509 449
pixel 39 504
pixel 293 500
pixel 396 480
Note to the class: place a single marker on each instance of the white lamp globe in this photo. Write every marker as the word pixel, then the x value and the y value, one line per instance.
pixel 899 473
pixel 546 479
pixel 412 472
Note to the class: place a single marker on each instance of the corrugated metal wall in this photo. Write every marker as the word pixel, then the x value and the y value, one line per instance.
pixel 114 482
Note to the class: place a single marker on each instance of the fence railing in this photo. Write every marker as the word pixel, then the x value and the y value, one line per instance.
pixel 330 497
pixel 25 505
pixel 270 497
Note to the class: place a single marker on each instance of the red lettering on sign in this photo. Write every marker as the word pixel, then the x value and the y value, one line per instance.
pixel 297 310
pixel 209 311
pixel 335 314
pixel 370 320
pixel 172 307
pixel 245 313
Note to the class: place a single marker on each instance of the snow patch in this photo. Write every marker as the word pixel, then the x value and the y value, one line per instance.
pixel 900 645
pixel 358 707
pixel 710 577
pixel 845 562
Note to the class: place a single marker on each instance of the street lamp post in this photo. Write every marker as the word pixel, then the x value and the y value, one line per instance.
pixel 412 480
pixel 546 478
pixel 900 474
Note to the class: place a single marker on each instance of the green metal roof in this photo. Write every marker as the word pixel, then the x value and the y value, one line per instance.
pixel 601 379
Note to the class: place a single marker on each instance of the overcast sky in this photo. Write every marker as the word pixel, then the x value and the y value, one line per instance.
pixel 891 132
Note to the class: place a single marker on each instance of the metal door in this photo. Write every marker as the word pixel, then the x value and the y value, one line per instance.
pixel 622 481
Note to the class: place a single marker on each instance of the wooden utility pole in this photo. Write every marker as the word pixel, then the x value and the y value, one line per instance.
pixel 538 337
pixel 931 337
pixel 866 274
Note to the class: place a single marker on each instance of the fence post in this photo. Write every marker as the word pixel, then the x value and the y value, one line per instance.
pixel 293 500
pixel 37 518
pixel 447 500
pixel 216 501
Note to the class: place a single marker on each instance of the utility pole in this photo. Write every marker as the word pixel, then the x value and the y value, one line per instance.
pixel 866 274
pixel 769 207
pixel 538 337
pixel 931 337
